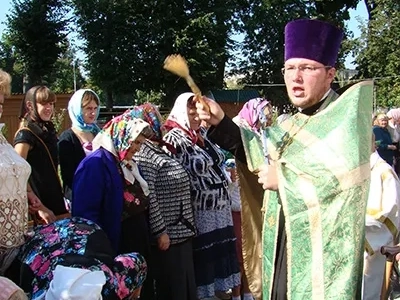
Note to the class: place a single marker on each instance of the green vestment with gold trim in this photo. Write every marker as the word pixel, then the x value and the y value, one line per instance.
pixel 323 169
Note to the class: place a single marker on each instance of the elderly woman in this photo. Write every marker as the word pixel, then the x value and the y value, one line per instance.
pixel 104 179
pixel 78 243
pixel 36 141
pixel 171 213
pixel 14 176
pixel 109 190
pixel 215 260
pixel 383 139
pixel 75 143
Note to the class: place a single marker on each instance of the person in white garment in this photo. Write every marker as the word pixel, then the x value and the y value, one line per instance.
pixel 382 222
pixel 14 194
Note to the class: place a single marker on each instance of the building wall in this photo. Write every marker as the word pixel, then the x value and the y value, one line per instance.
pixel 11 110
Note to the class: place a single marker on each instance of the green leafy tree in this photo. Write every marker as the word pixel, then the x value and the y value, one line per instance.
pixel 126 43
pixel 9 62
pixel 37 30
pixel 205 39
pixel 67 73
pixel 370 5
pixel 377 51
pixel 119 44
pixel 151 97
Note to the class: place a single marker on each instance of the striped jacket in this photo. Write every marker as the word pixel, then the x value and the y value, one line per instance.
pixel 170 208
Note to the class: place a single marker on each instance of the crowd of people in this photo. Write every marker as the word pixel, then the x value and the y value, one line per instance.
pixel 202 205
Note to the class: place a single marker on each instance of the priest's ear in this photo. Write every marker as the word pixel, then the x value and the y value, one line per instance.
pixel 331 73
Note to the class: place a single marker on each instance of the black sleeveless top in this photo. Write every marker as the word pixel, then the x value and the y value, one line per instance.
pixel 44 178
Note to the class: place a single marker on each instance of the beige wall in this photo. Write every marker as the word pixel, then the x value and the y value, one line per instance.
pixel 11 111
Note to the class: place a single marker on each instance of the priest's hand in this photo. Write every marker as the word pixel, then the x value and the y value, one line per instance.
pixel 163 242
pixel 209 110
pixel 268 177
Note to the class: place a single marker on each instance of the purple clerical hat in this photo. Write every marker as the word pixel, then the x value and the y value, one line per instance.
pixel 313 39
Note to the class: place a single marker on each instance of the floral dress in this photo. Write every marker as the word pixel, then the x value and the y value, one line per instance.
pixel 79 243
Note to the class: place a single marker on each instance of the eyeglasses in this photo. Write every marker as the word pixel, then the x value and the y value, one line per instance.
pixel 306 70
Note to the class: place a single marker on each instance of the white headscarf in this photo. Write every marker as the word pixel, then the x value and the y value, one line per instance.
pixel 75 284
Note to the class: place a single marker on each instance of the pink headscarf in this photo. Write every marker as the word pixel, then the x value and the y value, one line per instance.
pixel 394 114
pixel 252 111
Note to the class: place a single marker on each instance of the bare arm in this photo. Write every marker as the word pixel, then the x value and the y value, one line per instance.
pixel 22 149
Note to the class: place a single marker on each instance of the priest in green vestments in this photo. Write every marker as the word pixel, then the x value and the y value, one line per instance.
pixel 316 175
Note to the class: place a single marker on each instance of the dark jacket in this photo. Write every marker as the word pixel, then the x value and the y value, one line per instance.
pixel 98 193
pixel 383 139
pixel 70 154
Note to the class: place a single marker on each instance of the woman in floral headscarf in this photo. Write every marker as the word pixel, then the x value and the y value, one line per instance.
pixel 75 143
pixel 109 190
pixel 78 243
pixel 171 213
pixel 215 260
pixel 104 178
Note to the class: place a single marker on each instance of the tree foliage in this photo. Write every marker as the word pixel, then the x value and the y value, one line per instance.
pixel 66 75
pixel 126 43
pixel 9 63
pixel 61 78
pixel 378 51
pixel 36 29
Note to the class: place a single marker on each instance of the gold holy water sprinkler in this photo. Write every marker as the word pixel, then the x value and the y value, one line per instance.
pixel 177 64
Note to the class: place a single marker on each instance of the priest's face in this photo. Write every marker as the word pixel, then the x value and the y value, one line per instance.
pixel 307 81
